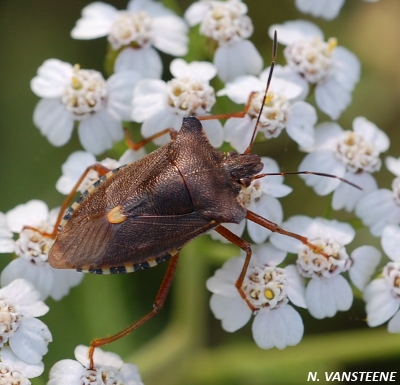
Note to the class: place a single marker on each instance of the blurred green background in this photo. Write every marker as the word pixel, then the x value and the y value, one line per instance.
pixel 186 344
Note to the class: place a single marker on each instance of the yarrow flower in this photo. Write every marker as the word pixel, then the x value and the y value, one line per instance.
pixel 333 70
pixel 70 94
pixel 268 289
pixel 327 290
pixel 13 371
pixel 260 197
pixel 27 336
pixel 382 295
pixel 227 23
pixel 161 105
pixel 281 110
pixel 79 161
pixel 32 249
pixel 352 155
pixel 108 369
pixel 382 207
pixel 327 9
pixel 144 24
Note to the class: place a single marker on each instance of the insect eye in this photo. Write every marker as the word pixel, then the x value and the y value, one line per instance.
pixel 245 182
pixel 230 153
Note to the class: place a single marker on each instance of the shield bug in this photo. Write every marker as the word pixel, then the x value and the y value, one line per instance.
pixel 143 213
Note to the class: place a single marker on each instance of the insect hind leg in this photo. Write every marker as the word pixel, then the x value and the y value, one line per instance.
pixel 157 306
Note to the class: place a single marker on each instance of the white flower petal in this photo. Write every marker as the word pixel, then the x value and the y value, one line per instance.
pixel 326 136
pixel 296 287
pixel 54 121
pixel 236 228
pixel 52 78
pixel 170 35
pixel 120 92
pixel 148 99
pixel 394 324
pixel 130 375
pixel 98 132
pixel 393 165
pixel 100 357
pixel 163 119
pixel 66 372
pixel 32 213
pixel 325 297
pixel 145 61
pixel 275 190
pixel 27 297
pixel 301 122
pixel 233 312
pixel 332 98
pixel 130 156
pixel 327 9
pixel 277 328
pixel 291 31
pixel 377 209
pixel 214 131
pixel 72 169
pixel 346 196
pixel 323 162
pixel 96 21
pixel 268 207
pixel 267 254
pixel 238 132
pixel 66 279
pixel 201 71
pixel 296 224
pixel 391 242
pixel 289 74
pixel 30 343
pixel 225 59
pixel 381 305
pixel 7 245
pixel 224 279
pixel 26 370
pixel 347 68
pixel 370 132
pixel 239 89
pixel 196 12
pixel 365 261
pixel 153 8
pixel 40 276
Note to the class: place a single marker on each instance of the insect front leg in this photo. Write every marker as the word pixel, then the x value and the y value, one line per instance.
pixel 276 229
pixel 157 306
pixel 240 114
pixel 137 146
pixel 245 246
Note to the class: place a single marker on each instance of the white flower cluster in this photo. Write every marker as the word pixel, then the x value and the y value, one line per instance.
pixel 318 77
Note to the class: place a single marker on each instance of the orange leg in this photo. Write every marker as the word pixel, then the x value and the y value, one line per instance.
pixel 245 246
pixel 157 306
pixel 136 146
pixel 240 114
pixel 276 229
pixel 101 171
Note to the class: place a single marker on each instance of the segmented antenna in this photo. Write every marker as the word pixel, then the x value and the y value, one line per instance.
pixel 274 52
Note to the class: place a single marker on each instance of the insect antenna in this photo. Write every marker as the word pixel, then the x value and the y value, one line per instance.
pixel 307 173
pixel 274 53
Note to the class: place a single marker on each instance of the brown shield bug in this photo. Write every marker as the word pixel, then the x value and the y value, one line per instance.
pixel 143 213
